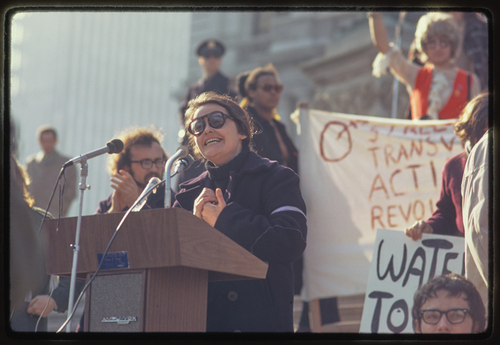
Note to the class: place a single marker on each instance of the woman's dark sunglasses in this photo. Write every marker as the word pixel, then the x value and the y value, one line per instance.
pixel 216 120
pixel 267 88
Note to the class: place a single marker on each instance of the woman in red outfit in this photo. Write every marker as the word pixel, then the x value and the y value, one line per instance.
pixel 438 90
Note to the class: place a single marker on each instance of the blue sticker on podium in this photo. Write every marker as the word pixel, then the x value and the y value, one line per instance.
pixel 114 261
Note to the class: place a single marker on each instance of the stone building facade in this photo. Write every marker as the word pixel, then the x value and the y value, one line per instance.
pixel 323 58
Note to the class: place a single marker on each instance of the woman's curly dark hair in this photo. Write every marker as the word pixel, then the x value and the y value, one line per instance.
pixel 243 121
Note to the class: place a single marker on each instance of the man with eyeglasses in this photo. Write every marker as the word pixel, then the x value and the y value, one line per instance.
pixel 141 159
pixel 262 88
pixel 448 304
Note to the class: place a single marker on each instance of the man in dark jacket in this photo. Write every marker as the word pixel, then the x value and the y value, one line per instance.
pixel 263 90
pixel 141 159
pixel 209 54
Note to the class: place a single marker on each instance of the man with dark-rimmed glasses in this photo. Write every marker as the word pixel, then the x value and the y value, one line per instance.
pixel 260 90
pixel 141 159
pixel 448 304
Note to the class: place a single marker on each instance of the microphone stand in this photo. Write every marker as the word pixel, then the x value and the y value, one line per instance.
pixel 168 166
pixel 76 247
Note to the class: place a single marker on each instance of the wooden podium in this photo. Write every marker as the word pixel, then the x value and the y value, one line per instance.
pixel 157 269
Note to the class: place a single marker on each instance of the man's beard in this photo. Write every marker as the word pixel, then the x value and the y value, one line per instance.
pixel 147 177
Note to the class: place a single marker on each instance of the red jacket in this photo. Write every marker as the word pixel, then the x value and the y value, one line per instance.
pixel 447 218
pixel 457 101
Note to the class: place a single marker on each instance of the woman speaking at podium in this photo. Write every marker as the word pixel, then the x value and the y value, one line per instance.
pixel 255 202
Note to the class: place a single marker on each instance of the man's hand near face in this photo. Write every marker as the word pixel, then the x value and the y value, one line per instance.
pixel 125 192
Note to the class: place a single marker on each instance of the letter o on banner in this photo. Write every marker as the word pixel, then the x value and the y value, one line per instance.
pixel 343 129
pixel 400 304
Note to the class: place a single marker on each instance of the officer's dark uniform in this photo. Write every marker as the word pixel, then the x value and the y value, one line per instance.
pixel 217 83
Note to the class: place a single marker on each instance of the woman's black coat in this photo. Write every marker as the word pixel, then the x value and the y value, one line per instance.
pixel 265 213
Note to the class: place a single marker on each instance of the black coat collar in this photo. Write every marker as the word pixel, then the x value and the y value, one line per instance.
pixel 190 189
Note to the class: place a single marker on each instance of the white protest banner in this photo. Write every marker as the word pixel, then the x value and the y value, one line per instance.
pixel 399 267
pixel 360 173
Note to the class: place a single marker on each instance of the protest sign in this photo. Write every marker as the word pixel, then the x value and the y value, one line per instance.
pixel 360 173
pixel 399 267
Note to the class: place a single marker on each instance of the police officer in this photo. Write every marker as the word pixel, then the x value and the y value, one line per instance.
pixel 209 54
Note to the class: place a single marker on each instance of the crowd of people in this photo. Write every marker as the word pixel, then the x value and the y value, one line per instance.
pixel 245 184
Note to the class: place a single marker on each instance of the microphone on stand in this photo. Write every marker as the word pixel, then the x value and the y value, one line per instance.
pixel 113 146
pixel 152 185
pixel 182 164
pixel 181 152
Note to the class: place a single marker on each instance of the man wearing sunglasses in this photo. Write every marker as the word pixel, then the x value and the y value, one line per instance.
pixel 263 90
pixel 141 159
pixel 260 90
pixel 448 304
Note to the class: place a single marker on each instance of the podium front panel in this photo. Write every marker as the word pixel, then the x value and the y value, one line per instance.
pixel 116 303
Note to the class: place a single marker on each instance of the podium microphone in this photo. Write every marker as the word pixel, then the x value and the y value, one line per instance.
pixel 114 146
pixel 181 152
pixel 182 164
pixel 150 187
